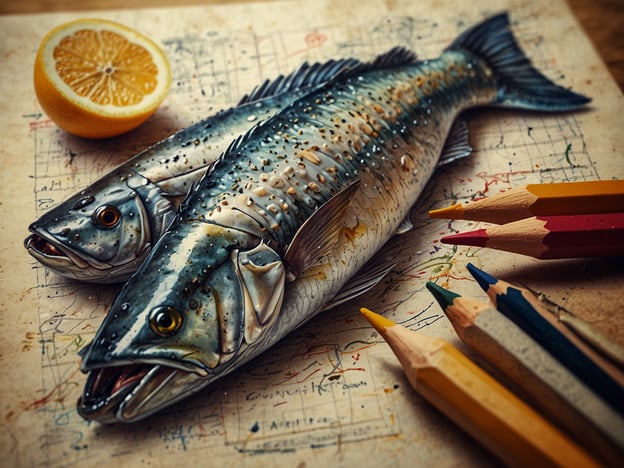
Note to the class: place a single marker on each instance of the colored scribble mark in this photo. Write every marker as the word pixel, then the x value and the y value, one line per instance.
pixel 567 154
pixel 315 39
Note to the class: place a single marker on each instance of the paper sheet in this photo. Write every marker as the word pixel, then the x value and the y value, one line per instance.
pixel 332 392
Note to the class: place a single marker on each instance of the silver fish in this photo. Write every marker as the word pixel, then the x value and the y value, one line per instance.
pixel 103 233
pixel 286 217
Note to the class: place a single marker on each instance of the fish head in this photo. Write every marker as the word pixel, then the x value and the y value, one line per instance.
pixel 103 233
pixel 209 296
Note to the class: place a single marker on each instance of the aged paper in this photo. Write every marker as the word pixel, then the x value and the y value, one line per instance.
pixel 331 392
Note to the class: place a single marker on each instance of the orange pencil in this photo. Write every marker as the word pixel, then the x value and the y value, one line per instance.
pixel 549 237
pixel 565 198
pixel 485 409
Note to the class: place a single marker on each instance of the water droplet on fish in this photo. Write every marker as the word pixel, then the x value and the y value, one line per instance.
pixel 251 118
pixel 125 306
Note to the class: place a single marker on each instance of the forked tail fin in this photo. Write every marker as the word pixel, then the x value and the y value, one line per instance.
pixel 519 83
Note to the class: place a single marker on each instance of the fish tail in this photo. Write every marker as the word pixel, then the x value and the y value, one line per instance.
pixel 519 84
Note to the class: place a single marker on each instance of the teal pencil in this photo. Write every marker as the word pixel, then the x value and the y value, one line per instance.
pixel 519 305
pixel 558 393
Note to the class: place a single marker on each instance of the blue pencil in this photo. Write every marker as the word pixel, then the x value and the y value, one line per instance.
pixel 520 306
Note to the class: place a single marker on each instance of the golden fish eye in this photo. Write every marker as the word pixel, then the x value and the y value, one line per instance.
pixel 165 321
pixel 107 216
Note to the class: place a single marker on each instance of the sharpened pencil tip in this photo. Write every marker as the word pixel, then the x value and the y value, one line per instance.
pixel 444 297
pixel 380 322
pixel 485 280
pixel 450 212
pixel 476 238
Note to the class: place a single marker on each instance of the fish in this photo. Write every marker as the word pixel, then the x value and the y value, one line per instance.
pixel 102 233
pixel 289 217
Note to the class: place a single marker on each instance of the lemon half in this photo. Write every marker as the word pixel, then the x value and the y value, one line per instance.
pixel 96 78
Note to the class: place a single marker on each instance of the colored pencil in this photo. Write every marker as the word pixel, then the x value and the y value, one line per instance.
pixel 565 198
pixel 549 237
pixel 609 348
pixel 523 308
pixel 475 401
pixel 558 393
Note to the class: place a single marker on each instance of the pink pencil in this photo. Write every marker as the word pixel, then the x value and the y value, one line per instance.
pixel 548 237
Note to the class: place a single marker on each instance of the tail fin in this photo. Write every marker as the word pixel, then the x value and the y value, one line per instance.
pixel 519 83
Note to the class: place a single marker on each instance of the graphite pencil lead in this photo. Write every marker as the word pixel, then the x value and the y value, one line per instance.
pixel 380 322
pixel 444 297
pixel 485 280
pixel 450 212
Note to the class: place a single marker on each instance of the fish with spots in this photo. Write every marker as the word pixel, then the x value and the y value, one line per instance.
pixel 104 232
pixel 283 224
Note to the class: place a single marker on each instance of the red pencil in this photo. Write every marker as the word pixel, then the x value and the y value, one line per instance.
pixel 547 237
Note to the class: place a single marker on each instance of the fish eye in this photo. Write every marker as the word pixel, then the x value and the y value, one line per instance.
pixel 165 321
pixel 106 217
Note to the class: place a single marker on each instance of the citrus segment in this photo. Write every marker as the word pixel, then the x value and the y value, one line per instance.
pixel 96 78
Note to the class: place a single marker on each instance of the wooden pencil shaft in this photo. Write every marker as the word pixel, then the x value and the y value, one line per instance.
pixel 552 237
pixel 581 344
pixel 554 389
pixel 518 309
pixel 479 404
pixel 604 345
pixel 567 198
pixel 608 347
pixel 604 196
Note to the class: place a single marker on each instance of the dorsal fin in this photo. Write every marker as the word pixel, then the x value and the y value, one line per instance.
pixel 306 76
pixel 396 57
pixel 240 141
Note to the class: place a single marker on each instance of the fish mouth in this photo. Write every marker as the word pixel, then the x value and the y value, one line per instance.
pixel 44 248
pixel 131 392
pixel 52 254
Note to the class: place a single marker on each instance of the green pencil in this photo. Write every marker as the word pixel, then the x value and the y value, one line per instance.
pixel 557 392
pixel 520 306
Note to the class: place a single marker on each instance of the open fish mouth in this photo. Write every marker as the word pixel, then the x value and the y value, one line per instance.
pixel 66 262
pixel 132 392
pixel 52 254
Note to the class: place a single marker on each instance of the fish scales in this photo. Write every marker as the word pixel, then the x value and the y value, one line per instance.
pixel 289 214
pixel 104 232
pixel 362 127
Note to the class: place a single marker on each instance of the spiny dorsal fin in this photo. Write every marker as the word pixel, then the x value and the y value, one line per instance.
pixel 395 57
pixel 306 76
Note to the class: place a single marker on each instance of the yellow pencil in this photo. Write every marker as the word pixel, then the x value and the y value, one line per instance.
pixel 487 411
pixel 562 198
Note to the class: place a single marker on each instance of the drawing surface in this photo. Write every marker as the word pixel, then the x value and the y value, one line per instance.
pixel 331 392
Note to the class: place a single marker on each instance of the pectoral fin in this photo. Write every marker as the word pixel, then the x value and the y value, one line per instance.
pixel 405 226
pixel 262 275
pixel 319 234
pixel 364 280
